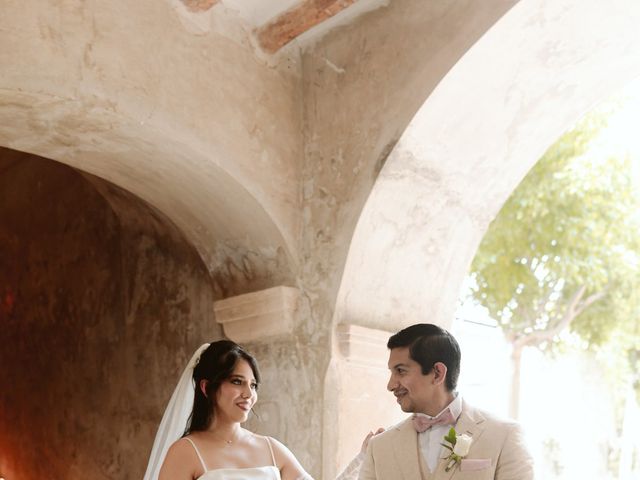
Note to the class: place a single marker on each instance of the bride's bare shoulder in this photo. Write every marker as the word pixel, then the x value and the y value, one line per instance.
pixel 264 439
pixel 181 462
pixel 282 453
pixel 286 461
pixel 181 446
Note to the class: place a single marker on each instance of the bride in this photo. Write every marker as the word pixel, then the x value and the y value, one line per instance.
pixel 214 446
pixel 212 399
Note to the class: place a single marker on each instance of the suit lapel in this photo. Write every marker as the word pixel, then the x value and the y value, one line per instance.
pixel 469 422
pixel 405 449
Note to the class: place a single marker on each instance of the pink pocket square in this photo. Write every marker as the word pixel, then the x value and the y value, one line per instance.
pixel 473 464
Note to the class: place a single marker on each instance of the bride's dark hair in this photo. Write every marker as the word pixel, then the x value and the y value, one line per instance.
pixel 216 365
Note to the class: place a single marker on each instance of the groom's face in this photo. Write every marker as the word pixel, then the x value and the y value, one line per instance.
pixel 414 391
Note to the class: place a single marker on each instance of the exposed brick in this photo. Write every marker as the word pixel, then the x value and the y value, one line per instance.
pixel 199 5
pixel 294 22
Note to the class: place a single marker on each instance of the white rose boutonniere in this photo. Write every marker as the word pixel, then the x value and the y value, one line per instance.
pixel 459 446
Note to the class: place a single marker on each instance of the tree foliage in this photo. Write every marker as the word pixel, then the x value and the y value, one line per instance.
pixel 564 249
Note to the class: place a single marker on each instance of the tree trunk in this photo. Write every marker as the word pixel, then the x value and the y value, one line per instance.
pixel 514 400
pixel 574 307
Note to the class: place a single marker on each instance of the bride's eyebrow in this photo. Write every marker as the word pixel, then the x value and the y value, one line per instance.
pixel 241 377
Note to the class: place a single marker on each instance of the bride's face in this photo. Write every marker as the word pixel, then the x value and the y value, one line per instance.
pixel 237 394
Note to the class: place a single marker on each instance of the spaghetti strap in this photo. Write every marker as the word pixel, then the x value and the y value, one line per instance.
pixel 204 465
pixel 273 457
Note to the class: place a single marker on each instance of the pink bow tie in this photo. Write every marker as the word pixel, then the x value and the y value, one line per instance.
pixel 423 423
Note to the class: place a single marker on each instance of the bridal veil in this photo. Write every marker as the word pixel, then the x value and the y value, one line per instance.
pixel 174 420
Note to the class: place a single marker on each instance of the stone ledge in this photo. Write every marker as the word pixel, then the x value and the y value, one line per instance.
pixel 363 346
pixel 257 316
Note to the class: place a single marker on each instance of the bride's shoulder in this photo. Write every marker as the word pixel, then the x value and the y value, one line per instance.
pixel 281 452
pixel 264 440
pixel 275 443
pixel 181 447
pixel 181 461
pixel 286 461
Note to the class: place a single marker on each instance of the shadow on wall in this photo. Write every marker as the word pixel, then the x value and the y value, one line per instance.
pixel 102 301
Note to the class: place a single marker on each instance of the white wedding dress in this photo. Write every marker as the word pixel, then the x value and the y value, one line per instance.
pixel 270 472
pixel 257 473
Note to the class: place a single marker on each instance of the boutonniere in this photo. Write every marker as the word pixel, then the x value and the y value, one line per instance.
pixel 458 445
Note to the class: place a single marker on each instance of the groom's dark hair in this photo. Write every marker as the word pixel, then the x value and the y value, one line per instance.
pixel 429 344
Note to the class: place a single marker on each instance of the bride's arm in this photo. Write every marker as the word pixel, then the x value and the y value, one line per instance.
pixel 180 463
pixel 290 468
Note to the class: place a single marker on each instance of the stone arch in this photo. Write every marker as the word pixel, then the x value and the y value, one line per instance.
pixel 151 104
pixel 532 75
pixel 238 239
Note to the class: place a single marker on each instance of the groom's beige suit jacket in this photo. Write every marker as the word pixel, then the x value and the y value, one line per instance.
pixel 395 455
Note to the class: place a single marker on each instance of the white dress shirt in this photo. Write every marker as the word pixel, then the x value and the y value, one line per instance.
pixel 431 439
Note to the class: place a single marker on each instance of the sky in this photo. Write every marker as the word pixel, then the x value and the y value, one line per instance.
pixel 622 134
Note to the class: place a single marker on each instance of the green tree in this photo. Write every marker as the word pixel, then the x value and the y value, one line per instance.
pixel 563 251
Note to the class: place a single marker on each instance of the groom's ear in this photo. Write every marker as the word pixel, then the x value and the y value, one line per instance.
pixel 439 373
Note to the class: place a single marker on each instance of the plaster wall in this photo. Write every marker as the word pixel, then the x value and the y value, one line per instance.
pixel 102 303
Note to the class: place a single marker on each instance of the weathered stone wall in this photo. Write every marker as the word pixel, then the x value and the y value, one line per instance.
pixel 102 302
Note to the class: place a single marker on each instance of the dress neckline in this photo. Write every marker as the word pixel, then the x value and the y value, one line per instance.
pixel 206 470
pixel 240 468
pixel 249 472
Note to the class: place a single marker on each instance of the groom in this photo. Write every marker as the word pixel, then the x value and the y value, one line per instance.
pixel 424 360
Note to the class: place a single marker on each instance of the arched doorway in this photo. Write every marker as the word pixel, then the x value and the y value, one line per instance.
pixel 535 72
